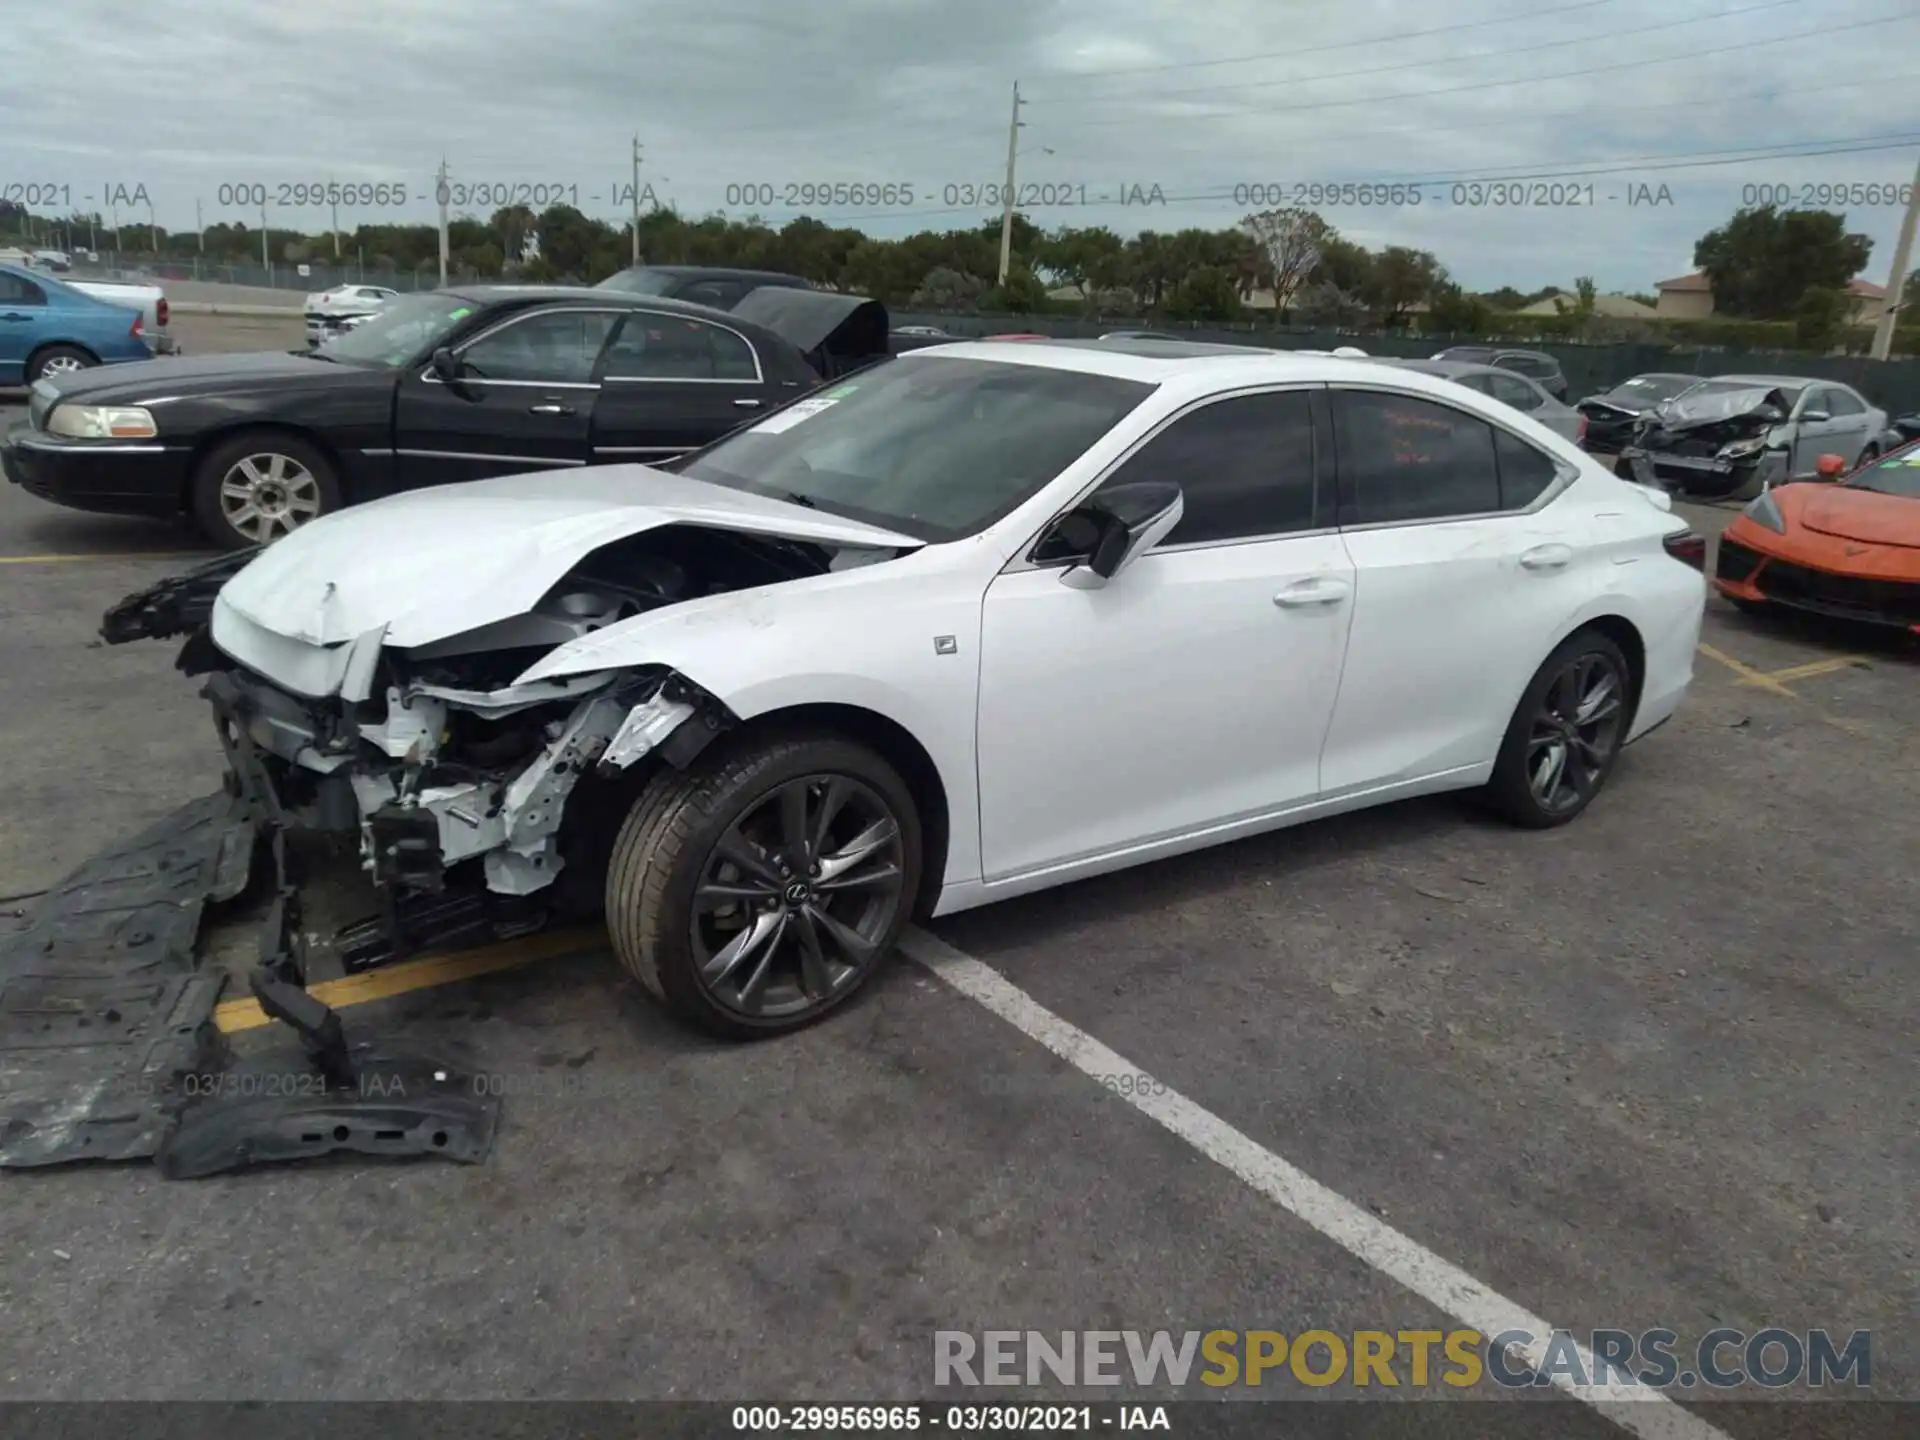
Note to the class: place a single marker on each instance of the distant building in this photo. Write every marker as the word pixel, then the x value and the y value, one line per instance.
pixel 1690 297
pixel 1612 307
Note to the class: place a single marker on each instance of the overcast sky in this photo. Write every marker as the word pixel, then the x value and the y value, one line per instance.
pixel 1198 100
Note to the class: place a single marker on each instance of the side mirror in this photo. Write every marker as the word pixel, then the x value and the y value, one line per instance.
pixel 1128 521
pixel 445 364
pixel 1831 467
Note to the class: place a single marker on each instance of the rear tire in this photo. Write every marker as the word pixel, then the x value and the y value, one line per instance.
pixel 702 914
pixel 256 487
pixel 1565 735
pixel 58 360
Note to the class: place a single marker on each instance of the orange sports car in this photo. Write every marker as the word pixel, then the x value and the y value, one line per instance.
pixel 1847 546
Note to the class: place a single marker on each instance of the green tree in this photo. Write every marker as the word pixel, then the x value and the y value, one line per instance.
pixel 1211 292
pixel 1023 294
pixel 1455 312
pixel 1764 259
pixel 1402 277
pixel 945 289
pixel 1820 319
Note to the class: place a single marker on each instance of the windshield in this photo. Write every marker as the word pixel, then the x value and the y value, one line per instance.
pixel 1897 474
pixel 1734 386
pixel 937 448
pixel 1651 389
pixel 639 282
pixel 404 328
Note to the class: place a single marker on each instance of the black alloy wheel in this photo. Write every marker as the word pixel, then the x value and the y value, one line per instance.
pixel 763 886
pixel 797 898
pixel 1566 733
pixel 1576 733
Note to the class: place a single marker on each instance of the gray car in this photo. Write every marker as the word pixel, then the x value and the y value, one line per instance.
pixel 1734 435
pixel 1508 388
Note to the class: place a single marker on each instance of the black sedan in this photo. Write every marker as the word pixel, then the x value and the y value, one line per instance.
pixel 1612 414
pixel 450 385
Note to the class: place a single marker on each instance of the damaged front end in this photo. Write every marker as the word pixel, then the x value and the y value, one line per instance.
pixel 1718 444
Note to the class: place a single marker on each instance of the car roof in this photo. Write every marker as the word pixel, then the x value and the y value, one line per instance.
pixel 721 272
pixel 627 299
pixel 1775 381
pixel 1201 369
pixel 1455 369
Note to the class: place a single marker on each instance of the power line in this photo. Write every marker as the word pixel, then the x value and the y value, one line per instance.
pixel 1678 162
pixel 1420 64
pixel 1581 73
pixel 1397 35
pixel 1499 121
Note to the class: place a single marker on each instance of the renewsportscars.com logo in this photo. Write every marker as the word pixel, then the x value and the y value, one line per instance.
pixel 1722 1359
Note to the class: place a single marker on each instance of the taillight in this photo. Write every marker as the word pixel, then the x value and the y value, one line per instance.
pixel 136 326
pixel 1580 436
pixel 1688 546
pixel 160 312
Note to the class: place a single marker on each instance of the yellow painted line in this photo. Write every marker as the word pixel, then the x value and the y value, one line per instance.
pixel 1815 667
pixel 424 974
pixel 1747 673
pixel 133 555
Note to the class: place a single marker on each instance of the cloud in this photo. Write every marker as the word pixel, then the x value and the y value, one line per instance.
pixel 195 100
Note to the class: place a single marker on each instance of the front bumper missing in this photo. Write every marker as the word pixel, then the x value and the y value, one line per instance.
pixel 108 1047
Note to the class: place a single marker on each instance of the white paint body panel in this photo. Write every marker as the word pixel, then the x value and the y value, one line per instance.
pixel 1074 731
pixel 1178 696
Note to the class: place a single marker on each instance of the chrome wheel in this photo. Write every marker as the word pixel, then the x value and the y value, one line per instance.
pixel 796 898
pixel 268 495
pixel 1576 733
pixel 62 365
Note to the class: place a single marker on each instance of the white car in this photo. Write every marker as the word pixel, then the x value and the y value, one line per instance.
pixel 328 312
pixel 976 621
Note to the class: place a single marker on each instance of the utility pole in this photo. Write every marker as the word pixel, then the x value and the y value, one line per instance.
pixel 1896 283
pixel 333 194
pixel 1006 214
pixel 443 192
pixel 200 225
pixel 266 260
pixel 636 199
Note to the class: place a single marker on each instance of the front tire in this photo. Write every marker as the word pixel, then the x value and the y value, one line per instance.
pixel 254 488
pixel 758 892
pixel 1566 734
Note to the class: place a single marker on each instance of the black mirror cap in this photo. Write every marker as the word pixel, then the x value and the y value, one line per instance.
pixel 445 364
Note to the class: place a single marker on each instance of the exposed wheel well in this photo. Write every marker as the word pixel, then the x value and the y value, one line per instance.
pixel 211 442
pixel 1623 633
pixel 901 750
pixel 39 350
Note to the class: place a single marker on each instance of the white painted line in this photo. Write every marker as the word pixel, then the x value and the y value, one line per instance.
pixel 1638 1409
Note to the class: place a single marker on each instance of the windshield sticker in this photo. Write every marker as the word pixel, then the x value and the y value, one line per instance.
pixel 461 313
pixel 793 415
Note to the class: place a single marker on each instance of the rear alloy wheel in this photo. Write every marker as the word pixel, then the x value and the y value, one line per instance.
pixel 1566 734
pixel 256 488
pixel 59 360
pixel 757 893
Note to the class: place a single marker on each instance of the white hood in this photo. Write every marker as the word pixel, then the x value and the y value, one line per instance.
pixel 428 564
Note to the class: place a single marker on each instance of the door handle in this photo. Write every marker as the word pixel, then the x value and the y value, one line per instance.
pixel 15 315
pixel 748 404
pixel 550 409
pixel 1547 557
pixel 1313 592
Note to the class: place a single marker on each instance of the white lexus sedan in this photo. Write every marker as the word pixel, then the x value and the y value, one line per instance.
pixel 979 620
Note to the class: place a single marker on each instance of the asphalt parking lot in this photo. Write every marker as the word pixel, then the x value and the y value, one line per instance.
pixel 1652 1070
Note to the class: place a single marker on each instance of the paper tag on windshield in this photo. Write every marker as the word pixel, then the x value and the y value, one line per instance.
pixel 793 415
